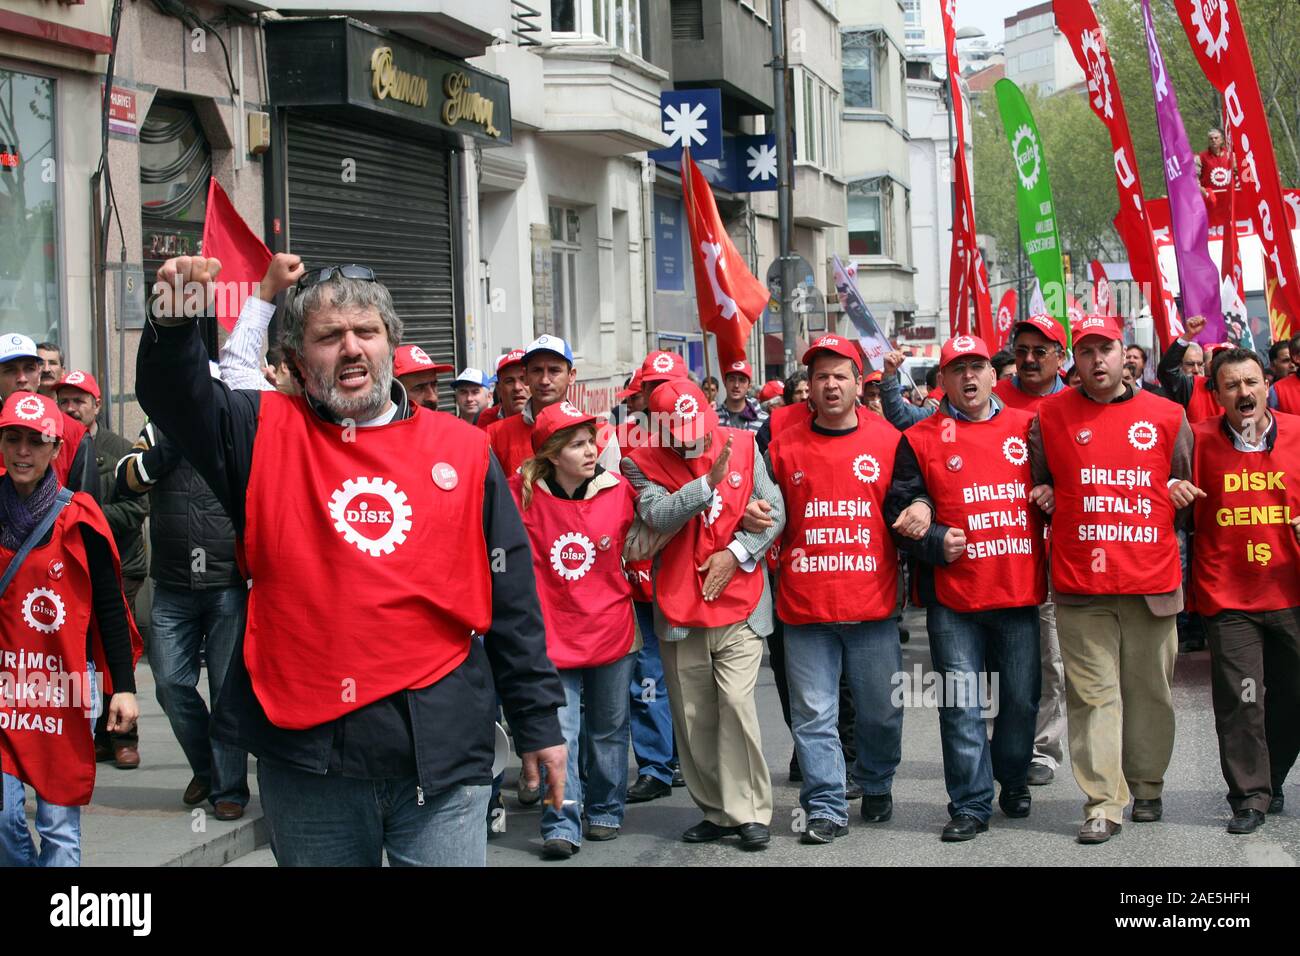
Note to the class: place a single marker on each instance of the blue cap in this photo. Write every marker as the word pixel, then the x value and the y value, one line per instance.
pixel 549 343
pixel 472 376
pixel 14 345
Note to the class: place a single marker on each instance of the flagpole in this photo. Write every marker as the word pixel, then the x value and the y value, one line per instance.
pixel 689 195
pixel 783 181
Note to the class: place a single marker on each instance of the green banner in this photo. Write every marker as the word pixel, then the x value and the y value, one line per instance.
pixel 1034 199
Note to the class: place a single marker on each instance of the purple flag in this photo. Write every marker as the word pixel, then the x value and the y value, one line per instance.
pixel 1198 277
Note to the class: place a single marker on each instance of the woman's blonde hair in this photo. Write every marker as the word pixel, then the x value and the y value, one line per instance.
pixel 540 466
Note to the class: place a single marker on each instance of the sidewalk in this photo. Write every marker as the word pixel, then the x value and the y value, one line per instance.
pixel 136 817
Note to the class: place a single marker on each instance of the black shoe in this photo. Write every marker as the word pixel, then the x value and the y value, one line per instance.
pixel 1147 811
pixel 1097 830
pixel 706 831
pixel 601 834
pixel 1040 774
pixel 904 635
pixel 678 779
pixel 877 808
pixel 1015 802
pixel 647 788
pixel 754 836
pixel 962 827
pixel 526 796
pixel 558 850
pixel 1278 802
pixel 1246 821
pixel 851 790
pixel 796 775
pixel 822 830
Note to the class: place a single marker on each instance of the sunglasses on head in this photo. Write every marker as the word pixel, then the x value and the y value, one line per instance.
pixel 349 271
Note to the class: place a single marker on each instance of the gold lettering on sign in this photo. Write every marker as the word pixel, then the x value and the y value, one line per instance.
pixel 464 104
pixel 388 81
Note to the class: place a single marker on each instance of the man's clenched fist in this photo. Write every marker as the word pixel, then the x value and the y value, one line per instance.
pixel 184 288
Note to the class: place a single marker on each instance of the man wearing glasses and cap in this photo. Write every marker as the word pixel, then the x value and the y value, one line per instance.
pixel 359 683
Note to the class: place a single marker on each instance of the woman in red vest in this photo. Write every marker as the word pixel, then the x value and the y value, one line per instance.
pixel 578 517
pixel 62 617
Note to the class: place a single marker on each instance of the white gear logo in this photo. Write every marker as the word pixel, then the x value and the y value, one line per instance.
pixel 401 514
pixel 1142 435
pixel 558 552
pixel 687 407
pixel 1015 451
pixel 663 362
pixel 570 409
pixel 1027 179
pixel 1215 46
pixel 1220 176
pixel 963 343
pixel 29 408
pixel 420 356
pixel 830 341
pixel 715 508
pixel 1098 78
pixel 866 468
pixel 52 599
pixel 737 366
pixel 76 378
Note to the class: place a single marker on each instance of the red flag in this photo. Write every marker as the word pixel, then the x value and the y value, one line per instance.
pixel 730 299
pixel 1103 298
pixel 1219 42
pixel 1006 317
pixel 1076 19
pixel 244 257
pixel 984 326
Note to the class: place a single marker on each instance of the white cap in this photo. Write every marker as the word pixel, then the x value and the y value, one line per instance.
pixel 471 376
pixel 15 345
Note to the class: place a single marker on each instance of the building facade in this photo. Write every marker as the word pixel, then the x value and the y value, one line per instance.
pixel 1037 53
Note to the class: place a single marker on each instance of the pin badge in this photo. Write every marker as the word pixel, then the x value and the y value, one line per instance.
pixel 444 476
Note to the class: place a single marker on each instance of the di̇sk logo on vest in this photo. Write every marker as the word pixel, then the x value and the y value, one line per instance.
pixel 43 610
pixel 866 468
pixel 1142 436
pixel 1015 450
pixel 715 508
pixel 572 555
pixel 372 514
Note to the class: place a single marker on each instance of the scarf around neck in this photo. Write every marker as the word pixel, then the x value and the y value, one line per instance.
pixel 18 517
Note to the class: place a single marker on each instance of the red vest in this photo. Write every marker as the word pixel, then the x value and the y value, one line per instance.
pixel 1202 404
pixel 784 416
pixel 838 562
pixel 45 615
pixel 1014 397
pixel 1245 553
pixel 489 415
pixel 366 551
pixel 1216 173
pixel 678 585
pixel 1114 520
pixel 1288 394
pixel 578 564
pixel 977 475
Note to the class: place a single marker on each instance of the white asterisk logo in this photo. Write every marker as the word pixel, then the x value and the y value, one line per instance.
pixel 761 162
pixel 686 124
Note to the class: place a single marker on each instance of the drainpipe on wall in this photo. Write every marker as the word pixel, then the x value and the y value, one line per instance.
pixel 648 251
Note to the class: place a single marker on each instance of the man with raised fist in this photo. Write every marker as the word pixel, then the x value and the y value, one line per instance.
pixel 961 503
pixel 1116 464
pixel 379 544
pixel 1246 582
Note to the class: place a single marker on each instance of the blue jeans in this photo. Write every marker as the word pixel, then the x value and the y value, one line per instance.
pixel 1002 643
pixel 331 820
pixel 595 712
pixel 182 622
pixel 869 655
pixel 652 717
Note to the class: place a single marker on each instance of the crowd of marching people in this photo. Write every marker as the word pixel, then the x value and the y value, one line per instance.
pixel 606 586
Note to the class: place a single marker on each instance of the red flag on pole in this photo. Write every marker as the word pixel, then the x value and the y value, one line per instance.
pixel 984 324
pixel 1103 298
pixel 244 257
pixel 1006 316
pixel 729 298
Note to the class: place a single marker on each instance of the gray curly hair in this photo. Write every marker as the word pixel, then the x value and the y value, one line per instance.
pixel 343 293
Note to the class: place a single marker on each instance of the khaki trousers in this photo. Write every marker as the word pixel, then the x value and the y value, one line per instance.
pixel 1119 667
pixel 711 676
pixel 1050 728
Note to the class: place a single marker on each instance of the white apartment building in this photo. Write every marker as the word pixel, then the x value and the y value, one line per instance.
pixel 1037 53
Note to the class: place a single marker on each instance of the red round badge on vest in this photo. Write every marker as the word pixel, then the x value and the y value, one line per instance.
pixel 1083 436
pixel 797 477
pixel 735 479
pixel 604 542
pixel 444 476
pixel 955 463
pixel 56 569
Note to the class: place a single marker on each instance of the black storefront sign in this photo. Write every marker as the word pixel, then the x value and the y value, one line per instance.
pixel 339 61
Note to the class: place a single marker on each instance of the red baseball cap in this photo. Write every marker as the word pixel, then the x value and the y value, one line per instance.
pixel 682 405
pixel 771 389
pixel 513 357
pixel 633 387
pixel 662 367
pixel 1045 324
pixel 411 358
pixel 739 368
pixel 557 417
pixel 34 412
pixel 82 380
pixel 834 345
pixel 873 378
pixel 1103 325
pixel 962 346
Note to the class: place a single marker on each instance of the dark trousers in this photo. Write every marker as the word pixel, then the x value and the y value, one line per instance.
pixel 776 658
pixel 130 587
pixel 1255 675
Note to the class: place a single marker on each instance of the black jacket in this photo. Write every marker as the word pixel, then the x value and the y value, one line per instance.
pixel 442 733
pixel 125 514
